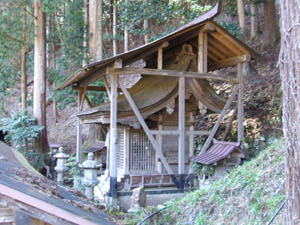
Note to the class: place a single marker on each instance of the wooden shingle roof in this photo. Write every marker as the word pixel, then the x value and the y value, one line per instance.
pixel 223 49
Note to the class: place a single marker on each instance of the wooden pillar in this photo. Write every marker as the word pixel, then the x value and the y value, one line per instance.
pixel 113 137
pixel 191 136
pixel 160 58
pixel 126 146
pixel 106 86
pixel 202 52
pixel 181 129
pixel 240 103
pixel 159 139
pixel 79 132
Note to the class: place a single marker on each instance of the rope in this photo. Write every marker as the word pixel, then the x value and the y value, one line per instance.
pixel 277 212
pixel 151 215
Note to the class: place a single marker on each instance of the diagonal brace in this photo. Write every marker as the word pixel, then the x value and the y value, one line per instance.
pixel 141 120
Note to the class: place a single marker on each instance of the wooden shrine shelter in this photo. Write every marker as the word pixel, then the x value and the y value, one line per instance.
pixel 151 125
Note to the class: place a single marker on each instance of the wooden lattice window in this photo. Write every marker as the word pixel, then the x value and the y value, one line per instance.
pixel 141 152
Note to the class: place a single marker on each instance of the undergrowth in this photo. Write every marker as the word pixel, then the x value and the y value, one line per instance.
pixel 250 194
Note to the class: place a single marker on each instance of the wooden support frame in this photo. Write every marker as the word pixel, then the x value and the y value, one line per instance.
pixel 79 131
pixel 93 88
pixel 202 52
pixel 181 125
pixel 139 116
pixel 191 136
pixel 83 93
pixel 113 137
pixel 172 73
pixel 230 62
pixel 126 153
pixel 159 139
pixel 160 55
pixel 176 132
pixel 229 123
pixel 106 86
pixel 160 59
pixel 216 126
pixel 240 103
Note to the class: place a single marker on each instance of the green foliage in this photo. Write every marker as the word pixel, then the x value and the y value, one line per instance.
pixel 170 14
pixel 233 28
pixel 201 219
pixel 207 169
pixel 74 169
pixel 36 159
pixel 21 128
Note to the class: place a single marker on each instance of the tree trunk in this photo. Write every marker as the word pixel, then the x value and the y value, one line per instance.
pixel 52 62
pixel 115 50
pixel 23 65
pixel 95 29
pixel 39 95
pixel 85 32
pixel 290 75
pixel 96 53
pixel 241 13
pixel 270 33
pixel 254 21
pixel 146 27
pixel 100 33
pixel 126 44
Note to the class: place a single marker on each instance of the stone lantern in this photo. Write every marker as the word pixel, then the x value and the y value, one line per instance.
pixel 61 164
pixel 90 168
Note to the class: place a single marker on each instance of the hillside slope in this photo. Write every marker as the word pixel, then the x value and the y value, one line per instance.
pixel 249 195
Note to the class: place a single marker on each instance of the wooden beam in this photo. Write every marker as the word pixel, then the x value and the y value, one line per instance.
pixel 126 150
pixel 222 48
pixel 160 59
pixel 240 103
pixel 171 73
pixel 159 138
pixel 229 124
pixel 118 63
pixel 86 97
pixel 93 88
pixel 106 86
pixel 191 136
pixel 230 62
pixel 216 52
pixel 202 52
pixel 160 55
pixel 233 42
pixel 208 27
pixel 82 98
pixel 181 125
pixel 113 137
pixel 228 42
pixel 79 131
pixel 216 126
pixel 176 132
pixel 139 116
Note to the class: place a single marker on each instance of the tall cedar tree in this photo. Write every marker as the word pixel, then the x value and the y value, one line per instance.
pixel 39 95
pixel 290 75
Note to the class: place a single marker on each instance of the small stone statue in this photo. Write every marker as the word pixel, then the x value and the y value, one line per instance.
pixel 138 199
pixel 61 164
pixel 90 168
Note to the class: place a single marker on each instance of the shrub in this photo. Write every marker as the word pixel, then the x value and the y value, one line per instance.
pixel 21 129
